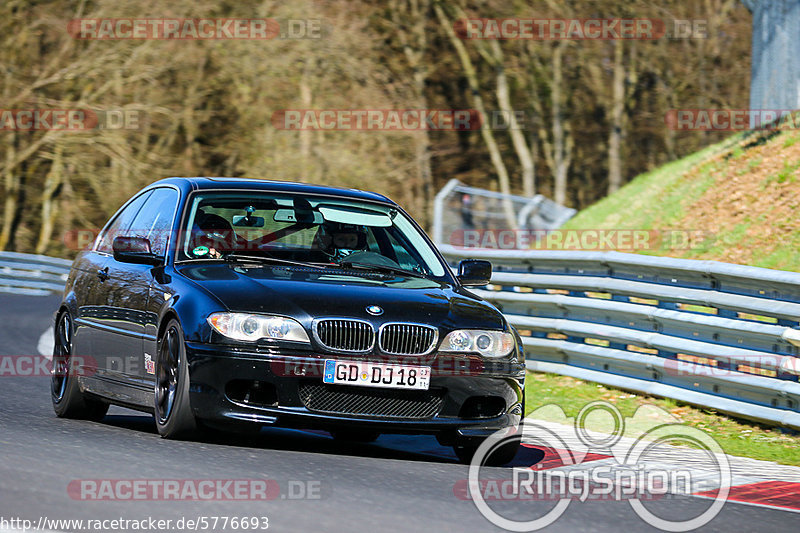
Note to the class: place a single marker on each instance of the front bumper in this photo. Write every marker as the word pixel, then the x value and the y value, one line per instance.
pixel 455 378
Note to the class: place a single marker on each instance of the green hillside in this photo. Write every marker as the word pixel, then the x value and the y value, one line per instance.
pixel 739 199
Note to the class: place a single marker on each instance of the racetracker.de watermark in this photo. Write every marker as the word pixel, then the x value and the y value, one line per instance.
pixel 148 523
pixel 33 366
pixel 583 240
pixel 194 28
pixel 194 489
pixel 580 28
pixel 735 366
pixel 732 119
pixel 72 120
pixel 404 119
pixel 378 119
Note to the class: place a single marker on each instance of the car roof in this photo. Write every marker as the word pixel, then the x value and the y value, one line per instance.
pixel 208 183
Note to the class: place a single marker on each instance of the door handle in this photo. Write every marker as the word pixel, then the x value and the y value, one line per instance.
pixel 103 274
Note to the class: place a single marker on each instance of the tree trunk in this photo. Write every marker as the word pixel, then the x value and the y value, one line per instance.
pixel 11 183
pixel 562 141
pixel 194 99
pixel 410 21
pixel 422 146
pixel 486 133
pixel 52 183
pixel 517 137
pixel 423 164
pixel 305 134
pixel 617 109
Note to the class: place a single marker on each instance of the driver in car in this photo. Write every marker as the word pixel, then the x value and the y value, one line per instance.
pixel 341 240
pixel 212 235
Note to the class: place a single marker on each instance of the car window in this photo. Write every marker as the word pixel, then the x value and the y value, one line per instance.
pixel 120 223
pixel 311 229
pixel 276 230
pixel 300 239
pixel 154 220
pixel 403 257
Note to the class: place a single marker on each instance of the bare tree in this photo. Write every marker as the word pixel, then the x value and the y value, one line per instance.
pixel 557 140
pixel 617 110
pixel 486 133
pixel 409 18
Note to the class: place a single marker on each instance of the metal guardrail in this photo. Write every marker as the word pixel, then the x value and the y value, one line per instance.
pixel 708 333
pixel 711 334
pixel 30 274
pixel 484 211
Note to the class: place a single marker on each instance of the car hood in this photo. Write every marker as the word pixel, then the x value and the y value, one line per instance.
pixel 306 293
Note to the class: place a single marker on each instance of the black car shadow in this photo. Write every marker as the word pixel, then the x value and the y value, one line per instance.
pixel 423 448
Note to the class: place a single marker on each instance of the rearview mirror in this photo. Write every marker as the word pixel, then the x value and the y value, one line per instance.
pixel 135 250
pixel 474 272
pixel 248 221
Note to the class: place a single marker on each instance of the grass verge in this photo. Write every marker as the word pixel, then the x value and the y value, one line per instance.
pixel 737 437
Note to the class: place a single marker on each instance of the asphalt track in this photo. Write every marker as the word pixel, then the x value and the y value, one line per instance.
pixel 400 483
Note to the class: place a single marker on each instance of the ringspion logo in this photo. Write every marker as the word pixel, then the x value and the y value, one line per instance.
pixel 626 463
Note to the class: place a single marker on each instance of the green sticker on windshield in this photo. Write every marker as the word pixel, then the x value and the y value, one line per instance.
pixel 200 250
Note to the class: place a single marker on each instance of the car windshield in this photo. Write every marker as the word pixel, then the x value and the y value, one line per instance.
pixel 312 230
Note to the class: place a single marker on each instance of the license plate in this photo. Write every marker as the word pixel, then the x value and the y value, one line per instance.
pixel 383 375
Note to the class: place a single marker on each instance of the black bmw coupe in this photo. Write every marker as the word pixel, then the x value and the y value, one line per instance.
pixel 233 304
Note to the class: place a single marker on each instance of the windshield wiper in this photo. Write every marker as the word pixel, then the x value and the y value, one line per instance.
pixel 383 268
pixel 242 258
pixel 231 258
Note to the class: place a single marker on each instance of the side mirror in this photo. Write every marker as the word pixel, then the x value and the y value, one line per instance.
pixel 135 250
pixel 474 272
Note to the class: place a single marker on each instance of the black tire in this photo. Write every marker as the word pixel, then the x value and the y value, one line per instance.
pixel 65 392
pixel 355 435
pixel 172 410
pixel 501 455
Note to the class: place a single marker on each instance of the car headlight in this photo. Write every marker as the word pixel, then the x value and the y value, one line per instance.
pixel 247 327
pixel 484 342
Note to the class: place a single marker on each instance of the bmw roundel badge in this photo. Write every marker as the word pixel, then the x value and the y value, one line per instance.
pixel 374 310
